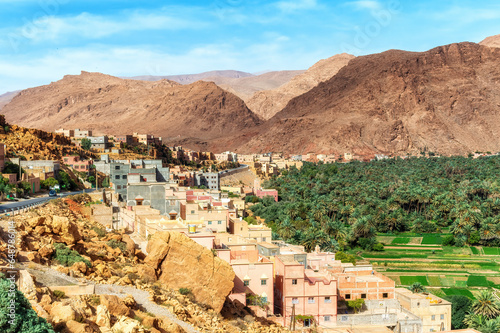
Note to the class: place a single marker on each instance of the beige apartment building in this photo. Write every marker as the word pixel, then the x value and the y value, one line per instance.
pixel 434 311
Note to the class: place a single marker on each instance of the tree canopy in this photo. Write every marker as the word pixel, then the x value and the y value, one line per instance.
pixel 334 205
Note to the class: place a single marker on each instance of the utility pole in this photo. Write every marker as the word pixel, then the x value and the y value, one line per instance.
pixel 292 321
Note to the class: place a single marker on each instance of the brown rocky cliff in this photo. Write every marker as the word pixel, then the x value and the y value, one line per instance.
pixel 111 105
pixel 493 41
pixel 445 100
pixel 269 102
pixel 209 278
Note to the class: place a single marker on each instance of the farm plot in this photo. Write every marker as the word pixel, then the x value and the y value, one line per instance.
pixel 409 280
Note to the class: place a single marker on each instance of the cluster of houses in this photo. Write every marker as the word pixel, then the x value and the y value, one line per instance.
pixel 279 281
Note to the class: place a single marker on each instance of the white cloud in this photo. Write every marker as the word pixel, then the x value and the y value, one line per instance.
pixel 89 26
pixel 365 5
pixel 294 5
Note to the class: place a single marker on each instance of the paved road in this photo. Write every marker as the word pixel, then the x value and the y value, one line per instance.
pixel 24 203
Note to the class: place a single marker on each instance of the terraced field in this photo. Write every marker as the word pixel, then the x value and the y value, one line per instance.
pixel 444 270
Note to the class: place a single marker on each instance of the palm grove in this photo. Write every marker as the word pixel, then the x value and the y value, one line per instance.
pixel 339 206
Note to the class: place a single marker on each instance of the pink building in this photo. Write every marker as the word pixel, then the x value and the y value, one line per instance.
pixel 2 156
pixel 310 293
pixel 77 164
pixel 264 193
pixel 253 281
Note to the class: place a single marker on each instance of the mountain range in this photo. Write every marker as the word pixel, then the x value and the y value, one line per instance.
pixel 397 102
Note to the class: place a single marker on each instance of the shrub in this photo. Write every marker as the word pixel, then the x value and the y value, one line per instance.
pixel 67 257
pixel 378 247
pixel 345 258
pixel 449 240
pixel 460 306
pixel 117 244
pixel 59 294
pixel 184 291
pixel 100 232
pixel 95 300
pixel 24 319
pixel 356 305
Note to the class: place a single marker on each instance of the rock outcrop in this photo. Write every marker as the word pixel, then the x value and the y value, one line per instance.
pixel 209 278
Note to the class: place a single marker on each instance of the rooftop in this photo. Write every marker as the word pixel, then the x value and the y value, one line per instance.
pixel 432 298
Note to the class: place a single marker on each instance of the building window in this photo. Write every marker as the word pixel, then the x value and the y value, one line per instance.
pixel 209 222
pixel 310 300
pixel 124 177
pixel 117 167
pixel 385 295
pixel 219 222
pixel 117 177
pixel 363 296
pixel 118 187
pixel 327 318
pixel 263 239
pixel 295 300
pixel 347 296
pixel 294 281
pixel 442 317
pixel 246 283
pixel 433 317
pixel 263 282
pixel 328 299
pixel 192 212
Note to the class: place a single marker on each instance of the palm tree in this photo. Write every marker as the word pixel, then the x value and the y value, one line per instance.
pixel 490 326
pixel 417 288
pixel 474 321
pixel 486 305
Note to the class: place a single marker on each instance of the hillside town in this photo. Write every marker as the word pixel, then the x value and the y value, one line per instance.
pixel 280 282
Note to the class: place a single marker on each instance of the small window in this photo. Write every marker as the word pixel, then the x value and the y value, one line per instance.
pixel 192 212
pixel 263 282
pixel 363 296
pixel 433 317
pixel 209 222
pixel 327 318
pixel 328 299
pixel 442 317
pixel 117 167
pixel 295 300
pixel 117 177
pixel 385 295
pixel 246 283
pixel 294 281
pixel 263 239
pixel 219 222
pixel 310 300
pixel 124 177
pixel 347 296
pixel 118 187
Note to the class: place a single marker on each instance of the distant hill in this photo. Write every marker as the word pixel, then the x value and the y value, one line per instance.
pixel 493 41
pixel 443 100
pixel 7 97
pixel 199 111
pixel 191 78
pixel 269 102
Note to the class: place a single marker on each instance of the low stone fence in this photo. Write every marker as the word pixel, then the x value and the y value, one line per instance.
pixel 75 290
pixel 386 319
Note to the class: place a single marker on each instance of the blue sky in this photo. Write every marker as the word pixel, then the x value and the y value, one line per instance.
pixel 42 40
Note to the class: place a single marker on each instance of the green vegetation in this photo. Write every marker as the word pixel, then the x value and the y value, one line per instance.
pixel 460 306
pixel 345 258
pixel 184 291
pixel 334 206
pixel 23 319
pixel 100 232
pixel 67 257
pixel 49 182
pixel 117 244
pixel 490 251
pixel 86 143
pixel 401 240
pixel 59 294
pixel 477 281
pixel 356 305
pixel 458 291
pixel 66 182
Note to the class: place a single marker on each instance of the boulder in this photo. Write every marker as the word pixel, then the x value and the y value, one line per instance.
pixel 166 325
pixel 103 319
pixel 148 273
pixel 80 267
pixel 46 251
pixel 67 230
pixel 115 305
pixel 130 244
pixel 76 327
pixel 61 312
pixel 182 263
pixel 126 325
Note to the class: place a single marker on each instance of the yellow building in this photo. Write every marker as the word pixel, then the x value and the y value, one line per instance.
pixel 434 311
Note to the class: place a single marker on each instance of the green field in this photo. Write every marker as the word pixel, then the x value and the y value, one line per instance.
pixel 458 291
pixel 474 250
pixel 477 281
pixel 432 239
pixel 490 251
pixel 409 280
pixel 401 240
